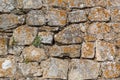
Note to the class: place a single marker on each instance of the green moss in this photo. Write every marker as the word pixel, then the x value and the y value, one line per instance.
pixel 37 41
pixel 26 61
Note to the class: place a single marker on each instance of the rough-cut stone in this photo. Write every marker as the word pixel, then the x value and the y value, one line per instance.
pixel 58 3
pixel 80 3
pixel 32 53
pixel 77 16
pixel 110 36
pixel 89 37
pixel 116 27
pixel 111 69
pixel 7 67
pixel 88 50
pixel 99 29
pixel 71 34
pixel 29 4
pixel 56 17
pixel 24 35
pixel 36 17
pixel 105 51
pixel 83 69
pixel 55 68
pixel 65 51
pixel 8 21
pixel 115 14
pixel 49 29
pixel 99 14
pixel 3 46
pixel 46 37
pixel 113 3
pixel 16 50
pixel 101 3
pixel 6 5
pixel 30 69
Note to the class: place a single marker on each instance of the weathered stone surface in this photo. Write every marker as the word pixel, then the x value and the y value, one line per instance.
pixel 89 37
pixel 65 51
pixel 83 69
pixel 30 69
pixel 3 46
pixel 6 5
pixel 117 42
pixel 16 50
pixel 71 34
pixel 99 14
pixel 111 69
pixel 55 68
pixel 105 51
pixel 58 3
pixel 113 3
pixel 88 50
pixel 99 29
pixel 101 3
pixel 24 35
pixel 36 17
pixel 7 67
pixel 116 27
pixel 29 4
pixel 81 3
pixel 49 29
pixel 8 21
pixel 46 37
pixel 32 53
pixel 56 17
pixel 115 14
pixel 110 36
pixel 77 16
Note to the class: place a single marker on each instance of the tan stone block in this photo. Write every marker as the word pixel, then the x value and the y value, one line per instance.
pixel 56 17
pixel 32 53
pixel 8 21
pixel 36 18
pixel 64 51
pixel 88 50
pixel 115 14
pixel 111 69
pixel 54 68
pixel 29 4
pixel 81 3
pixel 24 35
pixel 89 37
pixel 83 69
pixel 58 3
pixel 105 51
pixel 71 34
pixel 77 16
pixel 30 69
pixel 99 14
pixel 116 27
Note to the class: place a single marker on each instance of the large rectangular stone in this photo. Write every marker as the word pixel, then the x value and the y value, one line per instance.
pixel 83 69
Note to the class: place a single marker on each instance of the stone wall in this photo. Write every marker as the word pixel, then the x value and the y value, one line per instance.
pixel 59 39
